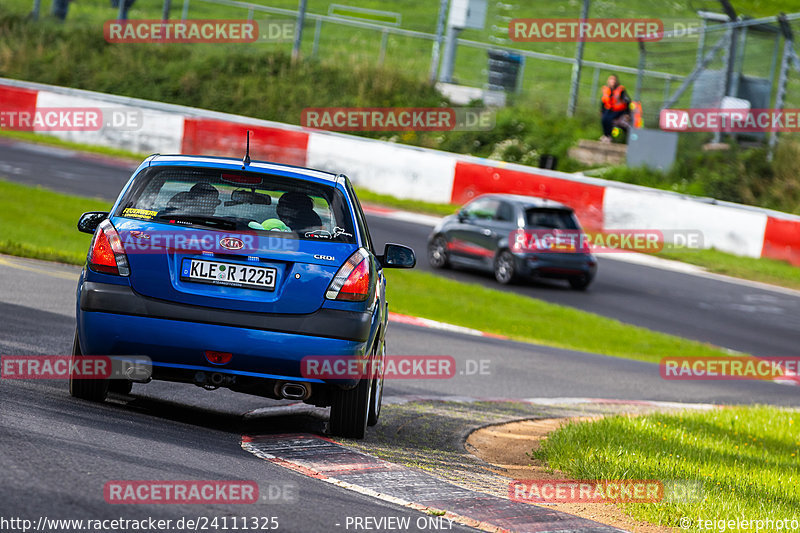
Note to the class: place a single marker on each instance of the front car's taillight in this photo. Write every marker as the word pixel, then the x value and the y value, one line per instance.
pixel 106 254
pixel 352 281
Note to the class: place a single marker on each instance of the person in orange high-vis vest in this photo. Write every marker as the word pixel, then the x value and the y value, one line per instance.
pixel 614 104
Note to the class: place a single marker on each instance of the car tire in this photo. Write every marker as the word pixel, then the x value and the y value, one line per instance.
pixel 505 269
pixel 437 253
pixel 120 386
pixel 580 283
pixel 377 390
pixel 93 390
pixel 350 411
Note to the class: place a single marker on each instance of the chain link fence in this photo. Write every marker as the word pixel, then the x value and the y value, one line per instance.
pixel 543 76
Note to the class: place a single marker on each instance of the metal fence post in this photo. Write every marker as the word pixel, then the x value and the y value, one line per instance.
pixel 574 84
pixel 185 10
pixel 667 87
pixel 521 75
pixel 165 11
pixel 774 62
pixel 727 61
pixel 701 44
pixel 595 83
pixel 448 64
pixel 783 77
pixel 738 64
pixel 781 95
pixel 37 4
pixel 298 31
pixel 317 30
pixel 637 96
pixel 384 40
pixel 437 43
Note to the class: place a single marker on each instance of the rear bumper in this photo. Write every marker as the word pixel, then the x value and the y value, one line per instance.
pixel 554 265
pixel 114 320
pixel 182 345
pixel 122 300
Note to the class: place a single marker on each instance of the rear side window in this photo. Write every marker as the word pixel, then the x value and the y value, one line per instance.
pixel 550 218
pixel 482 209
pixel 360 219
pixel 239 201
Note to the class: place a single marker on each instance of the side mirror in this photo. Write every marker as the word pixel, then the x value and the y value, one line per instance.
pixel 89 221
pixel 462 215
pixel 398 256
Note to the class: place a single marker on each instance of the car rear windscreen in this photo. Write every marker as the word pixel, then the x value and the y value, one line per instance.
pixel 537 217
pixel 239 201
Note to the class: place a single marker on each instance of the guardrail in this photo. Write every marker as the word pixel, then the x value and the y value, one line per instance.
pixel 418 173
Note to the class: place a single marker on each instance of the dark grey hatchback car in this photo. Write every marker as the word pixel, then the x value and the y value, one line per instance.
pixel 515 237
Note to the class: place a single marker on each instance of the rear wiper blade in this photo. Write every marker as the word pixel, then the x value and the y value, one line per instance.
pixel 215 222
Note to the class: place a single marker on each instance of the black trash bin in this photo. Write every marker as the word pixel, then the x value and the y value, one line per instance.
pixel 504 69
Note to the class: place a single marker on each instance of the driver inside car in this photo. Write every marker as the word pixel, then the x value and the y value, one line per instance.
pixel 201 200
pixel 296 210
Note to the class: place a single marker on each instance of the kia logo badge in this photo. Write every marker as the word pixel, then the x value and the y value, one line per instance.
pixel 231 243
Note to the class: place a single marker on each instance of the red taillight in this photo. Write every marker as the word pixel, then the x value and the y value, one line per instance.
pixel 352 282
pixel 102 258
pixel 218 358
pixel 106 253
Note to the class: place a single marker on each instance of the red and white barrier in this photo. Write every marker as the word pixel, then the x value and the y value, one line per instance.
pixel 159 130
pixel 416 173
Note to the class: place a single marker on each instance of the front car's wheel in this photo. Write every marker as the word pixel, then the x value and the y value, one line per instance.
pixel 505 269
pixel 580 283
pixel 93 390
pixel 350 411
pixel 437 252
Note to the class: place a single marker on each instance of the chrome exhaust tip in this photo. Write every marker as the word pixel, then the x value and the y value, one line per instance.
pixel 293 391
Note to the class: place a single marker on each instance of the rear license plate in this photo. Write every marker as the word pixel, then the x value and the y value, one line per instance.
pixel 230 274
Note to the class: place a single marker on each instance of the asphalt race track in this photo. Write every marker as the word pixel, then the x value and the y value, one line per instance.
pixel 735 316
pixel 58 452
pixel 53 444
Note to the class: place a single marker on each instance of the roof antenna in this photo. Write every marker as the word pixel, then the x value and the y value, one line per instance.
pixel 246 160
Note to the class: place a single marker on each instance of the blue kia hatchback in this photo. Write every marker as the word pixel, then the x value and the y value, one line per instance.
pixel 229 273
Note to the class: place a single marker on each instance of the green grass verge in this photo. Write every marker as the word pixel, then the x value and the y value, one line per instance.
pixel 49 233
pixel 531 320
pixel 40 138
pixel 38 223
pixel 746 458
pixel 756 269
pixel 261 81
pixel 416 206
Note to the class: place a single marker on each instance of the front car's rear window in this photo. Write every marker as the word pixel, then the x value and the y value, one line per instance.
pixel 537 217
pixel 239 201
